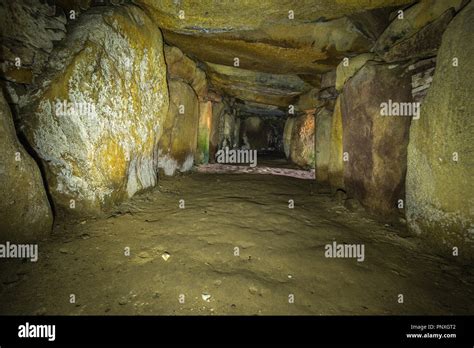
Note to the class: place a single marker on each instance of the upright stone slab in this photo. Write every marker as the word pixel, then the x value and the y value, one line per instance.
pixel 323 145
pixel 287 134
pixel 177 147
pixel 440 186
pixel 204 130
pixel 218 110
pixel 377 145
pixel 302 141
pixel 336 164
pixel 25 213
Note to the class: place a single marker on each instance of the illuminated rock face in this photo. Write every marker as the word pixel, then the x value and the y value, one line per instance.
pixel 25 214
pixel 204 132
pixel 98 113
pixel 440 189
pixel 301 147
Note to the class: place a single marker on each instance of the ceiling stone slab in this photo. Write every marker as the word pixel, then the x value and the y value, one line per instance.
pixel 211 16
pixel 251 108
pixel 280 49
pixel 262 36
pixel 253 86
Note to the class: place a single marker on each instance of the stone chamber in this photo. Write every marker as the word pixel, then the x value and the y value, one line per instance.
pixel 237 157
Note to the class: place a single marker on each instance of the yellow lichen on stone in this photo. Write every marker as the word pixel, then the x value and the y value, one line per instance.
pixel 113 63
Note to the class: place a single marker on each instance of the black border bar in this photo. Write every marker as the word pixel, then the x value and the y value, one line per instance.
pixel 136 330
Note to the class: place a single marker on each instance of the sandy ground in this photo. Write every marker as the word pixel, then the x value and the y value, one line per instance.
pixel 281 257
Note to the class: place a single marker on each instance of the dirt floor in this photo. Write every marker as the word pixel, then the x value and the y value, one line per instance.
pixel 281 257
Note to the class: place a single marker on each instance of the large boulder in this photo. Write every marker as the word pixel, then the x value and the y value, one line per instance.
pixel 440 189
pixel 25 213
pixel 177 146
pixel 376 144
pixel 96 117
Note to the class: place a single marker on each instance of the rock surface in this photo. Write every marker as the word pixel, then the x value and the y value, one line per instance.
pixel 204 132
pixel 375 171
pixel 323 144
pixel 414 19
pixel 29 30
pixel 309 100
pixel 287 135
pixel 267 50
pixel 336 164
pixel 178 143
pixel 218 109
pixel 225 16
pixel 227 130
pixel 25 213
pixel 440 190
pixel 302 141
pixel 97 114
pixel 282 37
pixel 423 43
pixel 181 66
pixel 274 89
pixel 347 69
